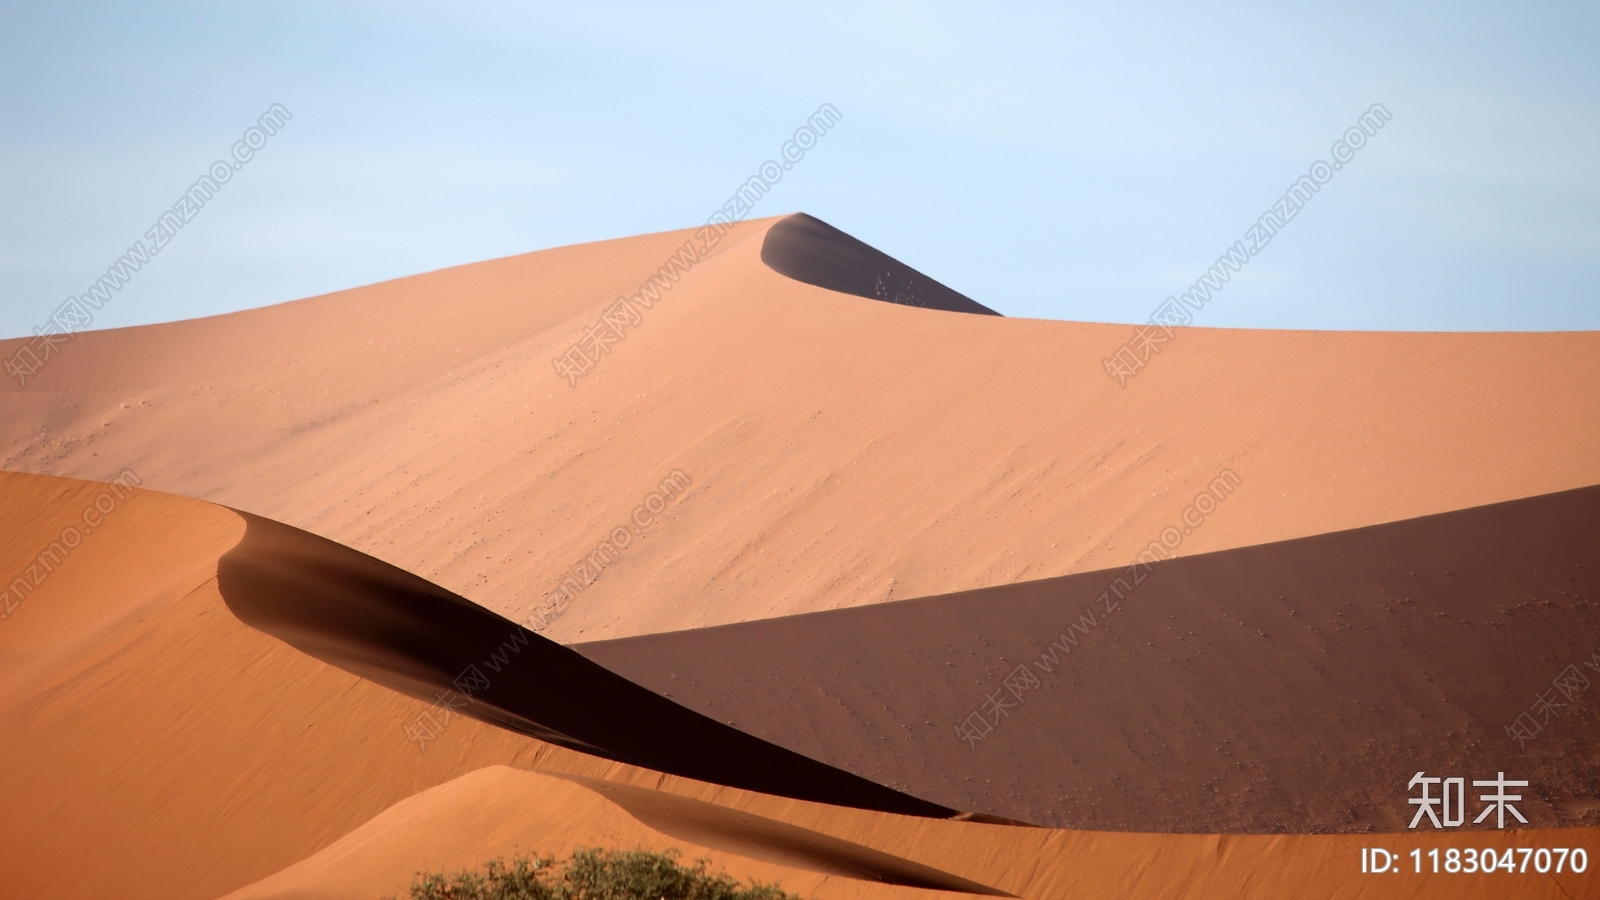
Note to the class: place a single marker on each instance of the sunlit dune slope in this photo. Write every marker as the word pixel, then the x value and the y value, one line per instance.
pixel 507 812
pixel 1290 687
pixel 817 851
pixel 839 451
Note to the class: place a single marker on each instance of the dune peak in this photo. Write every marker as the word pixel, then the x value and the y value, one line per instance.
pixel 810 250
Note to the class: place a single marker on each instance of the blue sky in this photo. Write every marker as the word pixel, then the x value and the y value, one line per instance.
pixel 1052 161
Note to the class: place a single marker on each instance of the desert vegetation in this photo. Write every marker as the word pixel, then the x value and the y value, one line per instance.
pixel 591 874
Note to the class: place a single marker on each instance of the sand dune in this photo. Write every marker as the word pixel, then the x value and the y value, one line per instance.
pixel 500 811
pixel 1290 687
pixel 759 837
pixel 395 629
pixel 811 251
pixel 504 811
pixel 158 747
pixel 870 514
pixel 875 452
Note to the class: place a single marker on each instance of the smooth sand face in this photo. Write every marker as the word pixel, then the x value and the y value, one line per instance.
pixel 841 451
pixel 1285 688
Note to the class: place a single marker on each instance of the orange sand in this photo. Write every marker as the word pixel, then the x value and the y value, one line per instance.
pixel 842 451
pixel 839 452
pixel 166 750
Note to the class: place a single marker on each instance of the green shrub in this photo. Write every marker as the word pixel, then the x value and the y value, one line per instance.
pixel 592 874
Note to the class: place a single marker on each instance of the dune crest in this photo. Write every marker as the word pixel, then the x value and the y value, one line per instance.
pixel 395 629
pixel 811 251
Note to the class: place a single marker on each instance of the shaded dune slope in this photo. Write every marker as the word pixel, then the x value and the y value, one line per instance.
pixel 1289 687
pixel 396 629
pixel 842 451
pixel 758 837
pixel 811 251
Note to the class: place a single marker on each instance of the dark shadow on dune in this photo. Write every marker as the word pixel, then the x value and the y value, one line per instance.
pixel 810 250
pixel 758 837
pixel 1291 687
pixel 389 626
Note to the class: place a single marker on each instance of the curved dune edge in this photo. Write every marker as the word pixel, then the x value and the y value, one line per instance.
pixel 813 252
pixel 155 746
pixel 842 452
pixel 140 698
pixel 774 841
pixel 395 629
pixel 505 812
pixel 1281 688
